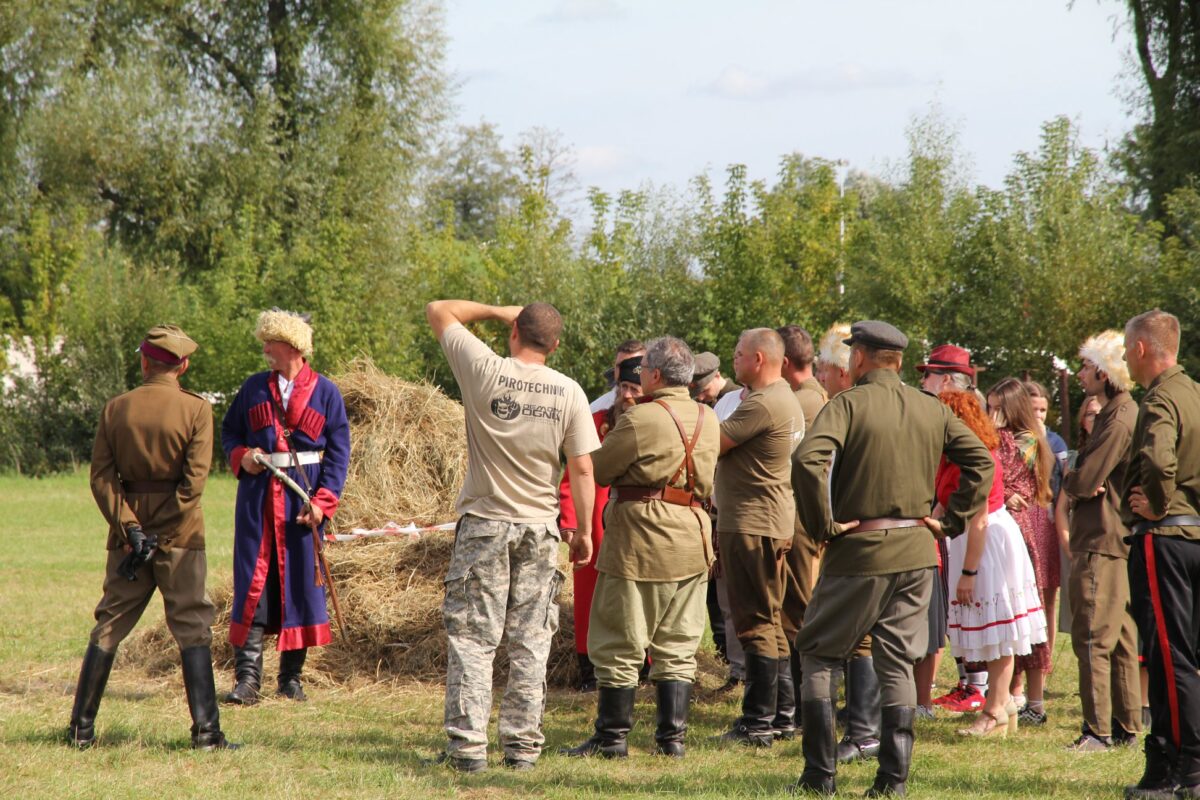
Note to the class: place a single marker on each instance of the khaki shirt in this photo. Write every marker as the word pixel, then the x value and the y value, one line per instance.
pixel 156 432
pixel 651 540
pixel 1165 455
pixel 886 440
pixel 1096 525
pixel 753 492
pixel 812 397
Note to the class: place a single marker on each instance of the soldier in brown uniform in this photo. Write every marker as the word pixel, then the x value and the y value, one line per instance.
pixel 872 509
pixel 800 566
pixel 1103 634
pixel 659 460
pixel 755 524
pixel 1161 506
pixel 149 464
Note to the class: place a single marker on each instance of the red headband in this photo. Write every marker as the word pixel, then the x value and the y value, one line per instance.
pixel 159 354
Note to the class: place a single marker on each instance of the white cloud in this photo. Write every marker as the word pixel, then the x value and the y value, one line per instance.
pixel 602 158
pixel 736 83
pixel 582 10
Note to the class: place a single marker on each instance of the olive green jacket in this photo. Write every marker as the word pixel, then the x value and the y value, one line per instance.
pixel 1096 525
pixel 886 440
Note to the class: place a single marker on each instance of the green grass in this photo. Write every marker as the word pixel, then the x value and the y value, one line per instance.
pixel 368 742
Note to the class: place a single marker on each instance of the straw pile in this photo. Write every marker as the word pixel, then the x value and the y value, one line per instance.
pixel 408 450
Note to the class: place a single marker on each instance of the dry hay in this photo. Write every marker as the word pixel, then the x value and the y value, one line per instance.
pixel 408 451
pixel 391 595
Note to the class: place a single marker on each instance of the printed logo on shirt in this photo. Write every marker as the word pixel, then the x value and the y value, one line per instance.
pixel 506 408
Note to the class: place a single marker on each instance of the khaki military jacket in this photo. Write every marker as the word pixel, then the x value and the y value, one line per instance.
pixel 1165 454
pixel 156 432
pixel 652 540
pixel 885 440
pixel 812 397
pixel 1096 525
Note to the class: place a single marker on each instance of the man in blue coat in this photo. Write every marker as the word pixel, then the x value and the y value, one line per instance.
pixel 274 559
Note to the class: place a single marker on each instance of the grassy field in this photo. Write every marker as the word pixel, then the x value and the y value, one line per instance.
pixel 369 742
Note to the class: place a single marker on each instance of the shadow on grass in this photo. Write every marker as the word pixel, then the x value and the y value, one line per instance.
pixel 107 738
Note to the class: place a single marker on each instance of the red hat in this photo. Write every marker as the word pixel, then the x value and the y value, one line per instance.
pixel 948 358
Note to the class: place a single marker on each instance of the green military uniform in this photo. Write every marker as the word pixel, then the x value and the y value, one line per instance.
pixel 1103 634
pixel 653 565
pixel 800 568
pixel 1164 573
pixel 150 462
pixel 886 440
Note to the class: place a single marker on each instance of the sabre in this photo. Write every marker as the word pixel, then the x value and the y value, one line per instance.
pixel 318 547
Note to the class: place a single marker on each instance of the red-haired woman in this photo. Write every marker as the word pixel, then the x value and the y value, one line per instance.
pixel 1028 462
pixel 995 611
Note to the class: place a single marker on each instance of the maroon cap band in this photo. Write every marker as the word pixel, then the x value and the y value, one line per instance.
pixel 158 354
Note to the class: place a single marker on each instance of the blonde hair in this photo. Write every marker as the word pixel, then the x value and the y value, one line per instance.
pixel 833 350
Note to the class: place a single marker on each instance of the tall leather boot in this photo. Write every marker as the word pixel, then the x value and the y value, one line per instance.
pixel 291 664
pixel 614 720
pixel 895 754
pixel 587 673
pixel 861 740
pixel 93 677
pixel 1158 781
pixel 673 698
pixel 784 725
pixel 755 726
pixel 202 699
pixel 248 670
pixel 817 743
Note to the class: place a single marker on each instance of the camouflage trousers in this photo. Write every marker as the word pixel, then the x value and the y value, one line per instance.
pixel 503 582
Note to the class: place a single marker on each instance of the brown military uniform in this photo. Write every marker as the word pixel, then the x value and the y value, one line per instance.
pixel 655 556
pixel 1164 569
pixel 149 464
pixel 802 562
pixel 1103 634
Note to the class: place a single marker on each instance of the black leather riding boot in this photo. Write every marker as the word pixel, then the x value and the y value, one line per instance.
pixel 248 670
pixel 93 677
pixel 291 664
pixel 614 720
pixel 895 752
pixel 861 740
pixel 755 725
pixel 1159 779
pixel 784 724
pixel 817 743
pixel 202 699
pixel 673 699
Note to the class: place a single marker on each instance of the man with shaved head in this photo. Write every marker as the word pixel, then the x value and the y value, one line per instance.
pixel 755 523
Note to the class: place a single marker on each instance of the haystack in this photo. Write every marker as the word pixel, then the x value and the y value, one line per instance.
pixel 407 463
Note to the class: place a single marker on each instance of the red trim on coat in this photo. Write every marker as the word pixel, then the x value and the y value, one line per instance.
pixel 1163 641
pixel 303 387
pixel 304 636
pixel 235 459
pixel 280 503
pixel 311 423
pixel 327 501
pixel 260 416
pixel 997 622
pixel 257 582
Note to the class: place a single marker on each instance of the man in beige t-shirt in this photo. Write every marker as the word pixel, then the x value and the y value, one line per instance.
pixel 755 524
pixel 502 582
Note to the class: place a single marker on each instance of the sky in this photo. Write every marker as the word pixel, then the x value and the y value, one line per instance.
pixel 660 91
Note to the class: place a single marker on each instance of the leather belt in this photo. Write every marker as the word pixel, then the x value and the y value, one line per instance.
pixel 633 494
pixel 284 460
pixel 149 487
pixel 886 523
pixel 1176 521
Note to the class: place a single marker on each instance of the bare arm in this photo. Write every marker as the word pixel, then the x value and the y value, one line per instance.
pixel 964 590
pixel 583 495
pixel 727 444
pixel 441 314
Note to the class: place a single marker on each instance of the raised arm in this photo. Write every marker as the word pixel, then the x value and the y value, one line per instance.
pixel 441 314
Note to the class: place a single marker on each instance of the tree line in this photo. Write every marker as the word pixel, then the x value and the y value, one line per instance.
pixel 196 162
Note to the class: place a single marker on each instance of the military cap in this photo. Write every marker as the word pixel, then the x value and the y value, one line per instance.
pixel 707 365
pixel 630 370
pixel 167 344
pixel 880 335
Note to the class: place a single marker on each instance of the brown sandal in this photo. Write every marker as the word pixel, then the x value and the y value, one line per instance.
pixel 987 724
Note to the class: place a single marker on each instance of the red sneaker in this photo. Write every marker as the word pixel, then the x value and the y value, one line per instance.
pixel 952 696
pixel 970 699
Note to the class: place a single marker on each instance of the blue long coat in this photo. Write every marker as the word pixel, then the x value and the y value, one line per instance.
pixel 266 509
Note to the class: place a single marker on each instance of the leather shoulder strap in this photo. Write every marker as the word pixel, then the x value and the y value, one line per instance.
pixel 689 462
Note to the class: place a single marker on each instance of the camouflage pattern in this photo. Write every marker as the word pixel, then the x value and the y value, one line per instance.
pixel 502 582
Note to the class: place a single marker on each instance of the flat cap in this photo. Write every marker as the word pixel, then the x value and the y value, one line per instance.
pixel 880 335
pixel 707 365
pixel 630 370
pixel 167 344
